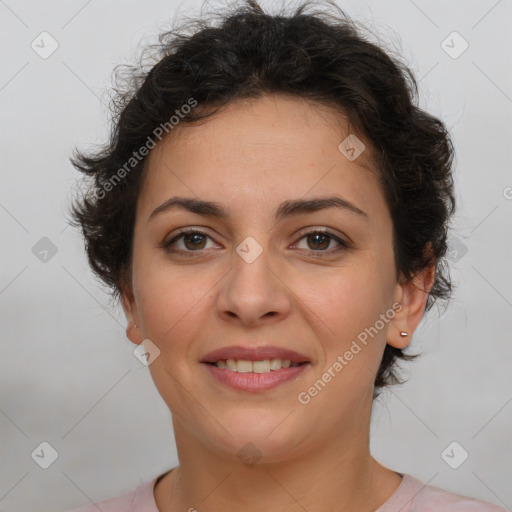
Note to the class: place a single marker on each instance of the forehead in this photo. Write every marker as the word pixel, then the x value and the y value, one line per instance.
pixel 262 150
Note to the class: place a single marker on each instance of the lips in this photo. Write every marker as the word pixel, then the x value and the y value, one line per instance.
pixel 253 354
pixel 255 369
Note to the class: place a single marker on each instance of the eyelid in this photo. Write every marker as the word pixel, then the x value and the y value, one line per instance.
pixel 325 230
pixel 343 244
pixel 185 231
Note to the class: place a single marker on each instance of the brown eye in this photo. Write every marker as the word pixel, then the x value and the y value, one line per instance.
pixel 194 241
pixel 188 241
pixel 318 241
pixel 321 241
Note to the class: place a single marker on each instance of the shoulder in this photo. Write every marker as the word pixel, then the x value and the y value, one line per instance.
pixel 118 504
pixel 414 496
pixel 140 499
pixel 440 500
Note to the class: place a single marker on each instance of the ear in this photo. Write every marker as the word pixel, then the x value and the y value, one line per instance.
pixel 133 327
pixel 413 297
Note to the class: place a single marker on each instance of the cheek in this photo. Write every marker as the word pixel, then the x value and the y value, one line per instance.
pixel 174 306
pixel 350 297
pixel 173 303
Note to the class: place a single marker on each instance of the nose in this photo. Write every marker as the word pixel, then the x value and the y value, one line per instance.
pixel 252 293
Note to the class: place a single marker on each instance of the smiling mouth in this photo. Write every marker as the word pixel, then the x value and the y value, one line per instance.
pixel 261 366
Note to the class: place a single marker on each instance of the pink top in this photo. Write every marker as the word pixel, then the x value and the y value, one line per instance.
pixel 410 496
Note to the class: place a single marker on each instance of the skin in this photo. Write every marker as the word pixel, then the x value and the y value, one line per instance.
pixel 249 158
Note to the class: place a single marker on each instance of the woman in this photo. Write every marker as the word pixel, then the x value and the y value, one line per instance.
pixel 272 212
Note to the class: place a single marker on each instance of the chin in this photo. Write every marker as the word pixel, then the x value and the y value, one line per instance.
pixel 258 435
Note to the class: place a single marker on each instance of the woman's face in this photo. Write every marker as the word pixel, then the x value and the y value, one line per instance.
pixel 260 276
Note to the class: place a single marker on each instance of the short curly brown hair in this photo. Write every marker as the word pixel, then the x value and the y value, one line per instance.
pixel 319 56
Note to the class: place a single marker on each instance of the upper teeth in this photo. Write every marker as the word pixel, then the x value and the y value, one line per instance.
pixel 244 366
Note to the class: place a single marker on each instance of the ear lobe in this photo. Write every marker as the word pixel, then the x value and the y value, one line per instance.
pixel 413 297
pixel 131 312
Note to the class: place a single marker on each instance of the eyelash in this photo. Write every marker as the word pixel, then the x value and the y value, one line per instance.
pixel 343 245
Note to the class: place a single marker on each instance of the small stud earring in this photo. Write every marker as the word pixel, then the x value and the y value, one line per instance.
pixel 403 334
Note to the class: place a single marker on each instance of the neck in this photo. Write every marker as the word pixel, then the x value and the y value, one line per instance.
pixel 339 475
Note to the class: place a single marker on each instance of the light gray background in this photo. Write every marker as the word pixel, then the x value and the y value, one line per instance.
pixel 69 376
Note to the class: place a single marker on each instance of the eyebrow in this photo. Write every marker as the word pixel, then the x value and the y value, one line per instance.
pixel 286 208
